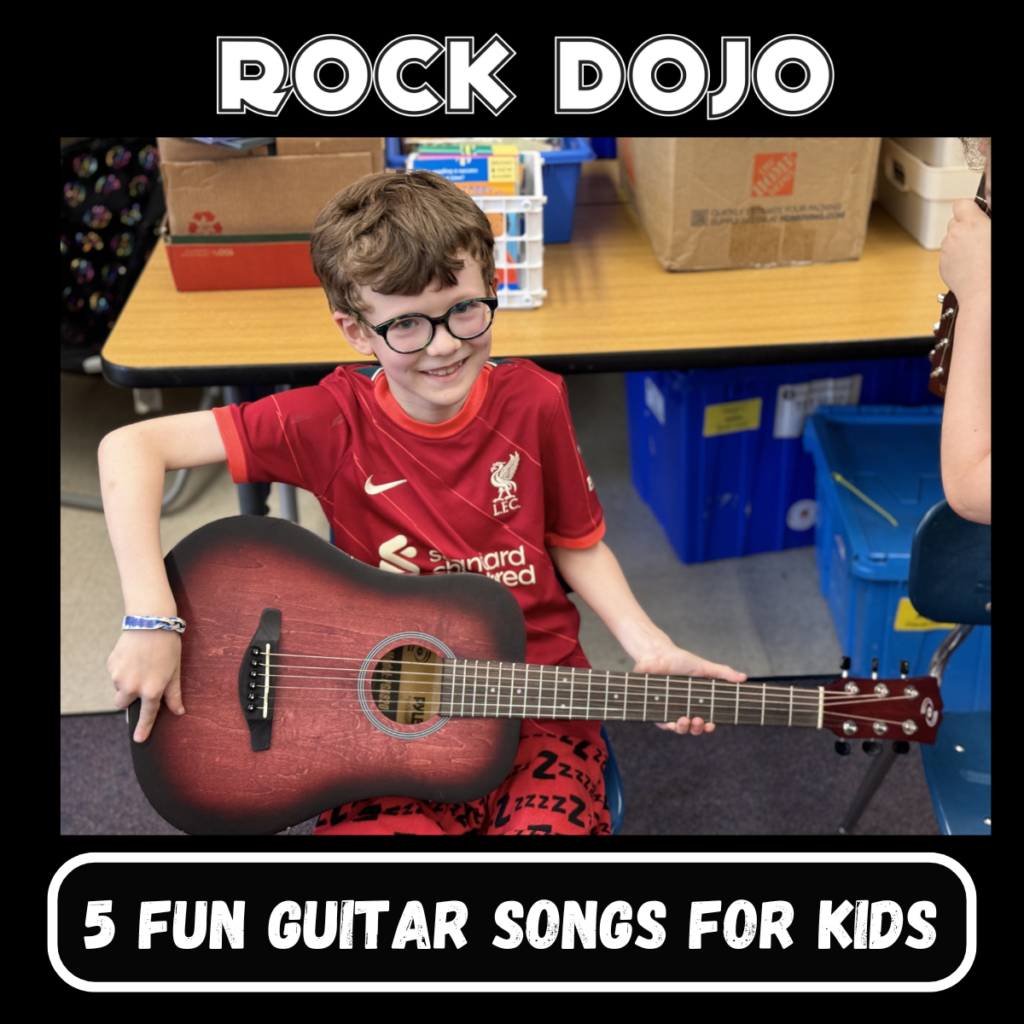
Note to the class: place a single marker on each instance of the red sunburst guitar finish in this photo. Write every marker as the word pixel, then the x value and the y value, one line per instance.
pixel 310 679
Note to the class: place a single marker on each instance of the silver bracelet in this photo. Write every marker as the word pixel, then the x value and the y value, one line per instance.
pixel 171 622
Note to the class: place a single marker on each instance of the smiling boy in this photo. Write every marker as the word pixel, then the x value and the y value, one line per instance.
pixel 437 459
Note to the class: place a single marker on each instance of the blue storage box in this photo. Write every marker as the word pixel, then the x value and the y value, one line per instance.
pixel 717 453
pixel 561 174
pixel 891 455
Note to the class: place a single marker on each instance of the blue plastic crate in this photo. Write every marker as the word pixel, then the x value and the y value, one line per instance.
pixel 561 174
pixel 747 491
pixel 890 454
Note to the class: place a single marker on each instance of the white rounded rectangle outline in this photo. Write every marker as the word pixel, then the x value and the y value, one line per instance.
pixel 859 857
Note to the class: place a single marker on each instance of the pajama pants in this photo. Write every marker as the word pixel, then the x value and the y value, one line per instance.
pixel 556 787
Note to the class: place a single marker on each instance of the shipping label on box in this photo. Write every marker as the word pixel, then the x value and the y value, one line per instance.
pixel 795 402
pixel 753 202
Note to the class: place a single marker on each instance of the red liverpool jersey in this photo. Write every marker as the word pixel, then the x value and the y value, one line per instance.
pixel 487 491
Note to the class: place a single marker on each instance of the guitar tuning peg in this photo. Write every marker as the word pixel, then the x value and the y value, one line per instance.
pixel 936 325
pixel 844 665
pixel 904 669
pixel 874 668
pixel 871 747
pixel 843 748
pixel 942 296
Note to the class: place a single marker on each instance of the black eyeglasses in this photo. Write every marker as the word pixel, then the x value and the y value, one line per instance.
pixel 411 332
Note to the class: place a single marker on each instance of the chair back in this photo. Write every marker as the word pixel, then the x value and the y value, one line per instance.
pixel 951 568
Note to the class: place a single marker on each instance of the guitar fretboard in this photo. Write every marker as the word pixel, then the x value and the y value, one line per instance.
pixel 490 689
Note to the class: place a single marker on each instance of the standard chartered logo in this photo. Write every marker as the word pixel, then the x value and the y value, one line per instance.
pixel 509 566
pixel 391 552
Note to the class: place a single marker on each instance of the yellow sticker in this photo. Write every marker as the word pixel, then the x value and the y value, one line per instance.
pixel 502 168
pixel 732 417
pixel 908 619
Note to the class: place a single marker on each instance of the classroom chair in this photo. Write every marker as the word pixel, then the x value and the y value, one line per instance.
pixel 950 580
pixel 613 790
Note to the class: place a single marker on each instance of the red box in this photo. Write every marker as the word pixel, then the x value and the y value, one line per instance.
pixel 241 262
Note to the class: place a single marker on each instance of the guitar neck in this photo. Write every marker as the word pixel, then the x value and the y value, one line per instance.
pixel 491 689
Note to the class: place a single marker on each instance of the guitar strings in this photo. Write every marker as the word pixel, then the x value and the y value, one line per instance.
pixel 629 678
pixel 654 688
pixel 747 716
pixel 807 701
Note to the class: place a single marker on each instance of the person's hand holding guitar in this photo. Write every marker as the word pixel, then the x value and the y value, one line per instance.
pixel 965 260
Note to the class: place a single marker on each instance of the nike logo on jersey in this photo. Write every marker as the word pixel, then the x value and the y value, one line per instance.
pixel 372 488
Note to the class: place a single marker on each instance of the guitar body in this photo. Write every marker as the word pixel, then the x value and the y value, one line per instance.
pixel 326 746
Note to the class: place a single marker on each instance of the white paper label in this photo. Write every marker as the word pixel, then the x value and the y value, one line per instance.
pixel 795 402
pixel 655 400
pixel 802 514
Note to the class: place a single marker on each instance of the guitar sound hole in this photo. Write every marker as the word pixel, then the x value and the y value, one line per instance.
pixel 406 684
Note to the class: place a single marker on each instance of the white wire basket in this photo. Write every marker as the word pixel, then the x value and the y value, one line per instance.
pixel 518 225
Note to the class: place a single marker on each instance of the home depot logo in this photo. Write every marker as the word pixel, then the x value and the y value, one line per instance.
pixel 774 174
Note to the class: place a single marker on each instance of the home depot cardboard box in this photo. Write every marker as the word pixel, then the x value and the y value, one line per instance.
pixel 712 203
pixel 246 223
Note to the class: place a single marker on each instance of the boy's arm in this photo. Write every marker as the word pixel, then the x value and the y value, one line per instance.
pixel 133 460
pixel 594 573
pixel 965 266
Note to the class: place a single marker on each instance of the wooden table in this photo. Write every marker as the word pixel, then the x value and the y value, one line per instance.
pixel 609 306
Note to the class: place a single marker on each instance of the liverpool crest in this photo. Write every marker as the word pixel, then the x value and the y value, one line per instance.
pixel 501 477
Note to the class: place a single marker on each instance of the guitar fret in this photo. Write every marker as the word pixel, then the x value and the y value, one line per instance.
pixel 711 714
pixel 689 694
pixel 764 693
pixel 511 687
pixel 588 696
pixel 737 722
pixel 790 722
pixel 572 690
pixel 646 679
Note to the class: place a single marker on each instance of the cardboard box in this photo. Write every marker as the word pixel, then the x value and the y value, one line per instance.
pixel 174 149
pixel 269 195
pixel 287 146
pixel 710 203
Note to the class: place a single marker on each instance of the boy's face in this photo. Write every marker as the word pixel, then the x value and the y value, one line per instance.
pixel 416 379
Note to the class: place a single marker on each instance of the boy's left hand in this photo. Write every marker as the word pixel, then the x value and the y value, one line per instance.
pixel 678 662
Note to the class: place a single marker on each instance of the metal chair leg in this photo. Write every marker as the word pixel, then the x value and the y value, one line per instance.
pixel 880 765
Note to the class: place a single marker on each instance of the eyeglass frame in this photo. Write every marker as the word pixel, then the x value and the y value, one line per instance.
pixel 382 329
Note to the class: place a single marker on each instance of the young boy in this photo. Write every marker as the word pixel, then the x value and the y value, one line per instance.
pixel 437 459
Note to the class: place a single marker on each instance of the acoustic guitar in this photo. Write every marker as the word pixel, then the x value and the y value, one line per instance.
pixel 311 679
pixel 942 352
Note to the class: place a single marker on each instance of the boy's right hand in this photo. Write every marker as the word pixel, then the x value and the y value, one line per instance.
pixel 146 663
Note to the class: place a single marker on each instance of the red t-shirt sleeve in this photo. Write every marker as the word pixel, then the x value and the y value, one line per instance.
pixel 573 517
pixel 293 437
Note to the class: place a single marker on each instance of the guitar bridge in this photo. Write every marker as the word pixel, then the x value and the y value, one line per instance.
pixel 255 692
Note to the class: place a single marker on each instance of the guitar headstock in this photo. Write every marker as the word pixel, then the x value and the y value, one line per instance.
pixel 942 351
pixel 893 709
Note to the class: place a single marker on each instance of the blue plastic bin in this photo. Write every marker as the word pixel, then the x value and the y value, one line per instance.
pixel 748 491
pixel 891 454
pixel 561 174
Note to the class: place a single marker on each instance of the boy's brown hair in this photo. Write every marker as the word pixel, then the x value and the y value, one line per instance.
pixel 398 233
